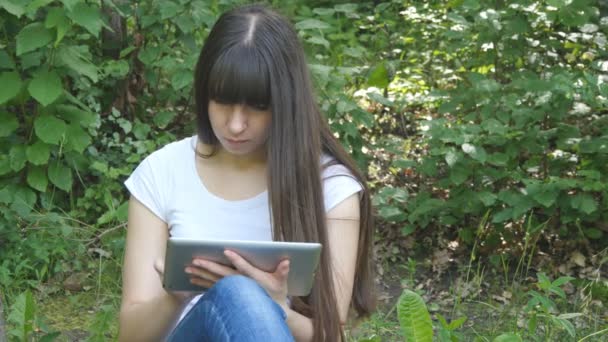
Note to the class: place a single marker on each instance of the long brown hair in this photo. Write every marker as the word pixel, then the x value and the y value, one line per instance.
pixel 253 56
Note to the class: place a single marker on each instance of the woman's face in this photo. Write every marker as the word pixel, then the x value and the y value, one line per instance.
pixel 241 129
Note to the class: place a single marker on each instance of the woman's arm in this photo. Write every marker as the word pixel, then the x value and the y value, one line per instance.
pixel 147 310
pixel 343 238
pixel 343 225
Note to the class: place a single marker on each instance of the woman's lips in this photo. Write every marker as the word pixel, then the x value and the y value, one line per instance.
pixel 233 141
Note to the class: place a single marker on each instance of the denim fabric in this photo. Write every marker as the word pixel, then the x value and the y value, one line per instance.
pixel 236 309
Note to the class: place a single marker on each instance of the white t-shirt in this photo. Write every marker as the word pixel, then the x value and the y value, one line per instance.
pixel 167 183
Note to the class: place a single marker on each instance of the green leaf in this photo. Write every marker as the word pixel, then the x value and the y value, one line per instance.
pixel 562 281
pixel 503 215
pixel 451 157
pixel 498 159
pixel 471 4
pixel 77 139
pixel 508 337
pixel 23 200
pixel 558 3
pixel 545 198
pixel 71 57
pixel 487 198
pixel 38 153
pixel 61 176
pixel 87 16
pixel 33 6
pixel 567 325
pixel 5 164
pixel 346 8
pixel 408 229
pixel 318 41
pixel 168 9
pixel 16 9
pixel 11 85
pixel 50 337
pixel 181 79
pixel 584 202
pixel 391 213
pixel 36 178
pixel 380 99
pixel 17 157
pixel 56 17
pixel 163 118
pixel 76 115
pixel 49 129
pixel 457 323
pixel 476 152
pixel 46 87
pixel 6 62
pixel 378 76
pixel 9 122
pixel 149 54
pixel 324 11
pixel 32 37
pixel 459 174
pixel 141 130
pixel 69 4
pixel 593 233
pixel 414 318
pixel 363 117
pixel 21 315
pixel 311 24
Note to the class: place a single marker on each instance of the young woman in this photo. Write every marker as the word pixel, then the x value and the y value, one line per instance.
pixel 263 166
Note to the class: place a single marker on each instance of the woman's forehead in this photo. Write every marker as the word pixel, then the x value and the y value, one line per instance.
pixel 240 74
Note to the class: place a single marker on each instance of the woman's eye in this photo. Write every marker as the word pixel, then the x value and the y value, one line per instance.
pixel 259 106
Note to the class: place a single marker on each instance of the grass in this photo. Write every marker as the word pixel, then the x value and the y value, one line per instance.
pixel 488 300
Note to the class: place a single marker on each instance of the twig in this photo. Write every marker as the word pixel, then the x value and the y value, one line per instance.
pixel 98 237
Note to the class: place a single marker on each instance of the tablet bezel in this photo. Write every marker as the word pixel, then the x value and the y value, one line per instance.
pixel 265 255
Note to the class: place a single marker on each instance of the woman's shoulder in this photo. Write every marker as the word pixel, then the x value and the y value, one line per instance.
pixel 331 167
pixel 174 151
pixel 338 182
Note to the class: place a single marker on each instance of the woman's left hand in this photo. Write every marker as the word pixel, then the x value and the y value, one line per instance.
pixel 206 273
pixel 275 283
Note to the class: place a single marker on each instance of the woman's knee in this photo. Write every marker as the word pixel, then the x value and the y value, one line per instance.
pixel 241 293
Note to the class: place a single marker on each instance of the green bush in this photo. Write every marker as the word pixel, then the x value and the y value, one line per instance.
pixel 521 129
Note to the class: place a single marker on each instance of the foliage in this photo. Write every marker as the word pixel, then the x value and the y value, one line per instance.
pixel 541 306
pixel 520 130
pixel 26 323
pixel 414 317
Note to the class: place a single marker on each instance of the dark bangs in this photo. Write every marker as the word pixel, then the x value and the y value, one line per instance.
pixel 240 75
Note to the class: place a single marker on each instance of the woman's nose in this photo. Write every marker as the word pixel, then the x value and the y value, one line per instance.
pixel 237 122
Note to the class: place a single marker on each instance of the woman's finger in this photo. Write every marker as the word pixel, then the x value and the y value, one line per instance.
pixel 202 282
pixel 214 267
pixel 196 272
pixel 243 265
pixel 282 271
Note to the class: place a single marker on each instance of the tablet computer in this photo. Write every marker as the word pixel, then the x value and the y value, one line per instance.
pixel 265 255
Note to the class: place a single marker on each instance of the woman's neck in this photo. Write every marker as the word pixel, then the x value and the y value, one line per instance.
pixel 253 160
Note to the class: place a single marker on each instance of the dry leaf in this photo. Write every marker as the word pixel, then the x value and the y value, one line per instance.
pixel 578 258
pixel 440 261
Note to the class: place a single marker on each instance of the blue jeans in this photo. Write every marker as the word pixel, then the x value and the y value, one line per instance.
pixel 236 308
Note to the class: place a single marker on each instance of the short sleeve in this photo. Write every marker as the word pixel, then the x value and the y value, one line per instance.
pixel 144 185
pixel 338 185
